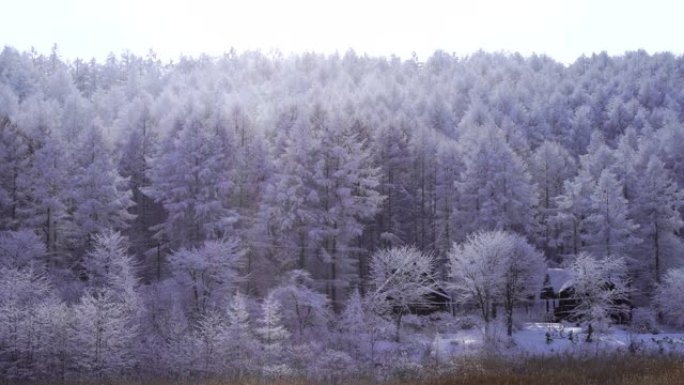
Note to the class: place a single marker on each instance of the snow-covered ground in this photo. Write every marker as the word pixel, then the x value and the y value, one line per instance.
pixel 537 338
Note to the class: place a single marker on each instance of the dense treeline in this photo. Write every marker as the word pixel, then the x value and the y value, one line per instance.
pixel 149 209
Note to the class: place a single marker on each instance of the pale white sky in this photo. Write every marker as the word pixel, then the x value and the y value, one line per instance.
pixel 562 29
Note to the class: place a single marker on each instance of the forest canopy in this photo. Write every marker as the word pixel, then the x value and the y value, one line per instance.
pixel 225 194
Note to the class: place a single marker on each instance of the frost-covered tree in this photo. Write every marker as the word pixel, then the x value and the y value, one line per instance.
pixel 46 185
pixel 26 295
pixel 346 182
pixel 423 177
pixel 656 209
pixel 550 166
pixel 495 267
pixel 574 207
pixel 323 188
pixel 476 267
pixel 391 148
pixel 191 179
pixel 495 189
pixel 669 296
pixel 273 334
pixel 105 333
pixel 141 142
pixel 177 346
pixel 109 266
pixel 22 249
pixel 57 334
pixel 599 157
pixel 14 162
pixel 209 274
pixel 241 341
pixel 352 325
pixel 105 318
pixel 303 309
pixel 101 197
pixel 600 288
pixel 401 278
pixel 288 208
pixel 523 276
pixel 211 341
pixel 291 156
pixel 611 232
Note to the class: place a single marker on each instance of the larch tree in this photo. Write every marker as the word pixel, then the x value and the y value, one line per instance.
pixel 190 178
pixel 550 166
pixel 105 317
pixel 391 148
pixel 211 343
pixel 241 341
pixel 424 178
pixel 288 208
pixel 352 324
pixel 611 231
pixel 656 210
pixel 446 200
pixel 101 196
pixel 109 266
pixel 140 146
pixel 105 333
pixel 26 293
pixel 495 189
pixel 14 162
pixel 46 184
pixel 305 311
pixel 669 296
pixel 208 275
pixel 346 183
pixel 273 334
pixel 574 207
pixel 22 249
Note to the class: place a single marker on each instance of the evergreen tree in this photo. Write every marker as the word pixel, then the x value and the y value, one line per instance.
pixel 14 163
pixel 139 149
pixel 611 232
pixel 242 345
pixel 550 166
pixel 105 334
pixel 495 189
pixel 101 197
pixel 668 297
pixel 352 325
pixel 46 185
pixel 273 334
pixel 656 211
pixel 190 178
pixel 208 275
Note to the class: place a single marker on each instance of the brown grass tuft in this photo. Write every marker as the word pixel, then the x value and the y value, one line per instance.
pixel 556 370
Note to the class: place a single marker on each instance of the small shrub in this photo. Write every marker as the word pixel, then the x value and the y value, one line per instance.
pixel 644 321
pixel 467 322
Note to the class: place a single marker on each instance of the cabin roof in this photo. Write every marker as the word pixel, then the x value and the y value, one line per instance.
pixel 559 279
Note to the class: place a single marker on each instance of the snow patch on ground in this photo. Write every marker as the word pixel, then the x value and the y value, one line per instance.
pixel 539 338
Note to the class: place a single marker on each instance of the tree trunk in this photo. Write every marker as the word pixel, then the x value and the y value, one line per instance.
pixel 398 327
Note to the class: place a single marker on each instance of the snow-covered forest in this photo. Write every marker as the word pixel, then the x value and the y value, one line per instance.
pixel 268 214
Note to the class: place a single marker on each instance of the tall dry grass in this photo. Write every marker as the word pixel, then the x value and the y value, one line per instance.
pixel 555 370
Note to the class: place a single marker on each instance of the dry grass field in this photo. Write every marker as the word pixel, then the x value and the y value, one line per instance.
pixel 557 370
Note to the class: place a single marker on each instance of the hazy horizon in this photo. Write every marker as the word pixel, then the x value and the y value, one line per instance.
pixel 563 30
